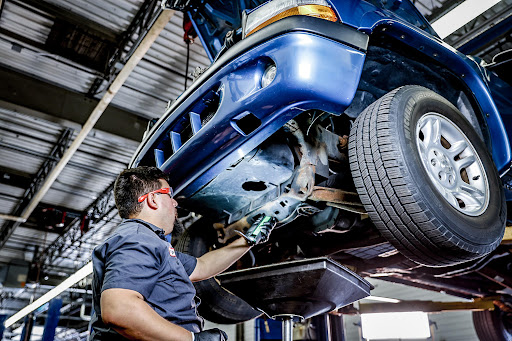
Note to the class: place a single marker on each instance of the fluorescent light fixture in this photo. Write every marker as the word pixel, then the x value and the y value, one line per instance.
pixel 407 325
pixel 70 281
pixel 461 15
pixel 381 299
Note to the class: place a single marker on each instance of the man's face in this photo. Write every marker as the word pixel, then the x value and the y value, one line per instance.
pixel 169 212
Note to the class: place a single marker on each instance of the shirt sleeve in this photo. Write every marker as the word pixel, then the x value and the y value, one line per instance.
pixel 132 262
pixel 189 262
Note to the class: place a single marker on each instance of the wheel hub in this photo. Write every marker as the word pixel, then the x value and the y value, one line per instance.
pixel 452 164
pixel 440 164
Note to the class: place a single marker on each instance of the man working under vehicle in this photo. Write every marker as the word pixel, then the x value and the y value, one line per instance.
pixel 142 288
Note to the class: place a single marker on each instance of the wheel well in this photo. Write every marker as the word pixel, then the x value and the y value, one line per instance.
pixel 391 63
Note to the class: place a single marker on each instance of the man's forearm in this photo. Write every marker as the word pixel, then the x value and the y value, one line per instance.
pixel 214 262
pixel 129 315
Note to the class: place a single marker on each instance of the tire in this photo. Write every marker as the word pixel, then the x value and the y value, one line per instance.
pixel 493 325
pixel 217 304
pixel 426 219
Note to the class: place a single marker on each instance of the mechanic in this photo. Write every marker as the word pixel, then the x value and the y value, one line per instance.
pixel 142 288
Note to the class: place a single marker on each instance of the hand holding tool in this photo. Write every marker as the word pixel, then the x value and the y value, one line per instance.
pixel 259 232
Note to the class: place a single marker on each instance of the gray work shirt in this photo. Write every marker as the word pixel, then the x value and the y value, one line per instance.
pixel 137 257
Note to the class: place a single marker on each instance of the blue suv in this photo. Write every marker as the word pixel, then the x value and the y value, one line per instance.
pixel 366 136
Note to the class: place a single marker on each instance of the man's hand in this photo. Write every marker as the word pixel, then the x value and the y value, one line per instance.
pixel 214 334
pixel 260 230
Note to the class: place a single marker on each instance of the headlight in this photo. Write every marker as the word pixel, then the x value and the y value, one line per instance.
pixel 275 10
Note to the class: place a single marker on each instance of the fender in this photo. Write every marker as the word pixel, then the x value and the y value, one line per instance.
pixel 369 19
pixel 468 73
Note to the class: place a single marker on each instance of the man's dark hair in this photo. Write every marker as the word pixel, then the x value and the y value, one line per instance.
pixel 131 184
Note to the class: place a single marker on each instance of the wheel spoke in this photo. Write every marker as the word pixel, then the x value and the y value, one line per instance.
pixel 457 148
pixel 472 196
pixel 433 136
pixel 465 162
pixel 436 132
pixel 422 147
pixel 450 197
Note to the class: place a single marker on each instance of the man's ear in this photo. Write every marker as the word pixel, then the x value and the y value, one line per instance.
pixel 151 200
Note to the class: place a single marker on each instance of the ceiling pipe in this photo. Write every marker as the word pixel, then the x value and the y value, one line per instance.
pixel 11 217
pixel 85 271
pixel 2 3
pixel 118 82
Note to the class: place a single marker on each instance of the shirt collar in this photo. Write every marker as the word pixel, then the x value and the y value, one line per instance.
pixel 159 232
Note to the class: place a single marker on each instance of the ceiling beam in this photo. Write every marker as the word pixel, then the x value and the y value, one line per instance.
pixel 446 7
pixel 28 95
pixel 73 234
pixel 37 182
pixel 26 151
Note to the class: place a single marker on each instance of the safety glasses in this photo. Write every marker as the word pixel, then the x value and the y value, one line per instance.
pixel 167 190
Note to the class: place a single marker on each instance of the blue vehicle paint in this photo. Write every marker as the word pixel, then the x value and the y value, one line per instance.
pixel 469 73
pixel 299 85
pixel 235 149
pixel 369 19
pixel 365 14
pixel 314 72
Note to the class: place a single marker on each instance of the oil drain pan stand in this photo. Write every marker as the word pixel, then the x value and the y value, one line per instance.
pixel 296 290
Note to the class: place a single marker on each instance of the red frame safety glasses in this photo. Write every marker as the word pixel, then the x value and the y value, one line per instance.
pixel 167 190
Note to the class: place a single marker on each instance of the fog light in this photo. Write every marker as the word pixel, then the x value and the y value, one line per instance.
pixel 268 76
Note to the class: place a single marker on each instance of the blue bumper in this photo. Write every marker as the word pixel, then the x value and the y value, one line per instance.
pixel 313 72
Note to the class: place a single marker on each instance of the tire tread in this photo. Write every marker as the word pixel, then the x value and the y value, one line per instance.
pixel 387 194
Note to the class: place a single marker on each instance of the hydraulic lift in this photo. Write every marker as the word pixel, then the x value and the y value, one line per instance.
pixel 296 290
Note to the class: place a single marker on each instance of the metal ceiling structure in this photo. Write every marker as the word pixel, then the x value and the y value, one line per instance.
pixel 57 58
pixel 484 37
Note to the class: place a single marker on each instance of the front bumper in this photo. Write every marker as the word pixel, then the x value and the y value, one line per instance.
pixel 317 68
